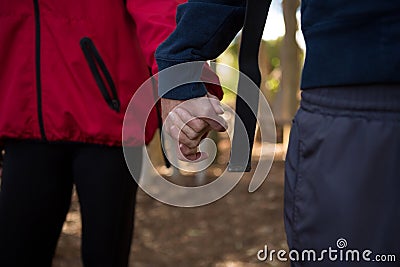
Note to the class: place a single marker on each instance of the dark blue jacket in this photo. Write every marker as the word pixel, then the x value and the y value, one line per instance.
pixel 353 42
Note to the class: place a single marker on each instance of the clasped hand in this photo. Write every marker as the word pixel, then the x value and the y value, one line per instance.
pixel 189 121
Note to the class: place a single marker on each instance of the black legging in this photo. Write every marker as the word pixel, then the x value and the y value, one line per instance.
pixel 35 197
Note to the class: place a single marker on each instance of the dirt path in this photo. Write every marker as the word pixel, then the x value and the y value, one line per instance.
pixel 227 233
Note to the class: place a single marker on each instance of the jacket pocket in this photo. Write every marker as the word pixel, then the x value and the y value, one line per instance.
pixel 100 73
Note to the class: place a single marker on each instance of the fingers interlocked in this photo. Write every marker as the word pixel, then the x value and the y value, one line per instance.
pixel 190 121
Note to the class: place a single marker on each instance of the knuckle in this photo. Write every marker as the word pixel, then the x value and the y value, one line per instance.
pixel 192 135
pixel 199 125
pixel 187 142
pixel 192 144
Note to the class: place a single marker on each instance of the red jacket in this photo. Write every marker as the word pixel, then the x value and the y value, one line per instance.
pixel 70 67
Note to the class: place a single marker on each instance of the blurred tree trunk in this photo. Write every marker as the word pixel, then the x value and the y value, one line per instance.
pixel 288 101
pixel 264 121
pixel 265 69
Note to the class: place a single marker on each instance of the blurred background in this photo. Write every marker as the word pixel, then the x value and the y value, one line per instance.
pixel 230 231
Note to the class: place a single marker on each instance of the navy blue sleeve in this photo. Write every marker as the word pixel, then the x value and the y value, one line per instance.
pixel 204 30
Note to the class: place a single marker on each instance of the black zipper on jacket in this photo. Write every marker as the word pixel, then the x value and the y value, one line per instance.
pixel 38 76
pixel 95 62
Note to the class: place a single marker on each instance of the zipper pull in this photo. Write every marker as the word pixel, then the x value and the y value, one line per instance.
pixel 115 104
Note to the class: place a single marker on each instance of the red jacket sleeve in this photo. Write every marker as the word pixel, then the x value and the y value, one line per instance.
pixel 155 20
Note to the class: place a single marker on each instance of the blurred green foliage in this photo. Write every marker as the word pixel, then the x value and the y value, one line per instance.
pixel 269 63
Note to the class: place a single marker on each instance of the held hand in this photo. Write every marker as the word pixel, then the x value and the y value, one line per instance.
pixel 188 122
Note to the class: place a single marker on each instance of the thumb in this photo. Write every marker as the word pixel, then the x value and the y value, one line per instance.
pixel 215 103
